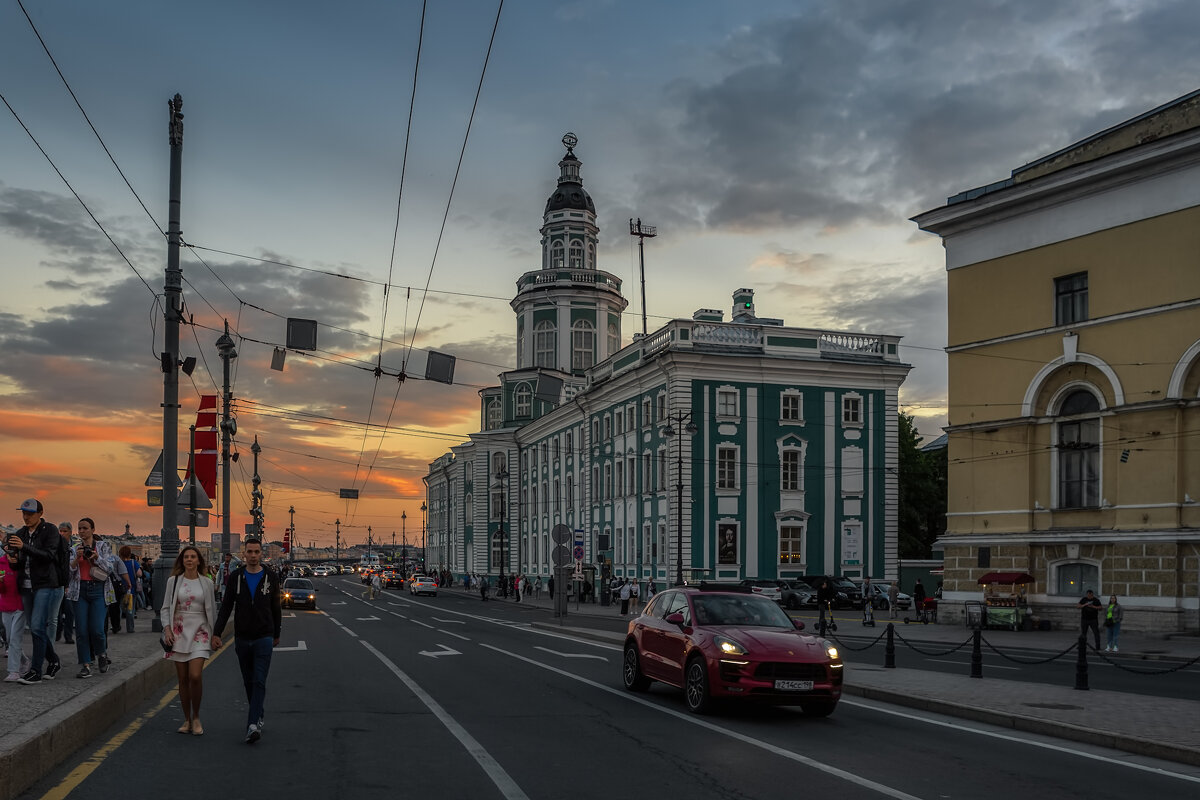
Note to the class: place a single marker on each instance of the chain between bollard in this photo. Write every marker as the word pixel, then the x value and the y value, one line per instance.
pixel 912 646
pixel 868 646
pixel 1025 661
pixel 1134 671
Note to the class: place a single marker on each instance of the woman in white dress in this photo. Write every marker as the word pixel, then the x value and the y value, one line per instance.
pixel 188 614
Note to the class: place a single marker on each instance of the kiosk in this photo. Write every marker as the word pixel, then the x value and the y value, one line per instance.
pixel 1004 599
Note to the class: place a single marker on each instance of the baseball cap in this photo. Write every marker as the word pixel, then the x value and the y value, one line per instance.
pixel 31 505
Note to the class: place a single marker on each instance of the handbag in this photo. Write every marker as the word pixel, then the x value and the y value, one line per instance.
pixel 99 573
pixel 162 642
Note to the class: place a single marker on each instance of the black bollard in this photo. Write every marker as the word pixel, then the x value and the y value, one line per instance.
pixel 976 655
pixel 889 652
pixel 1081 679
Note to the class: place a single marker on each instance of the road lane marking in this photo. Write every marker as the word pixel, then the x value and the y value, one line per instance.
pixel 300 645
pixel 504 782
pixel 422 624
pixel 338 622
pixel 968 663
pixel 849 777
pixel 570 655
pixel 458 635
pixel 367 619
pixel 912 714
pixel 450 621
pixel 78 775
pixel 445 651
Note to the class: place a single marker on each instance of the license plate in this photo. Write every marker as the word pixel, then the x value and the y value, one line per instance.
pixel 794 686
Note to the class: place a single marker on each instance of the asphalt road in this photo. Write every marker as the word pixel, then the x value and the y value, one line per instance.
pixel 450 696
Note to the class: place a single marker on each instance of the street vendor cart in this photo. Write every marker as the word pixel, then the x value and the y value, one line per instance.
pixel 1004 600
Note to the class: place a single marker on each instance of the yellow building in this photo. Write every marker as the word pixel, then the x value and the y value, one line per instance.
pixel 1074 375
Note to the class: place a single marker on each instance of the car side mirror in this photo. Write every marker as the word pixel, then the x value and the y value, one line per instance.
pixel 674 619
pixel 799 623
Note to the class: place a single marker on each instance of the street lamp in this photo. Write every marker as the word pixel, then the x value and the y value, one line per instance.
pixel 227 351
pixel 404 539
pixel 424 557
pixel 337 542
pixel 292 531
pixel 683 424
pixel 368 544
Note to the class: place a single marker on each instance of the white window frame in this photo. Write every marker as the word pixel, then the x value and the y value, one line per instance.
pixel 523 401
pixel 728 403
pixel 545 344
pixel 791 407
pixel 583 345
pixel 853 411
pixel 727 482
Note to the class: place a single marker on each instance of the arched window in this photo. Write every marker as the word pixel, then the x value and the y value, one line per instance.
pixel 583 345
pixel 494 417
pixel 591 258
pixel 556 255
pixel 544 344
pixel 1078 451
pixel 523 401
pixel 576 255
pixel 614 339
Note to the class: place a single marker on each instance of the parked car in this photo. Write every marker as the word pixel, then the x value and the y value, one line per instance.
pixel 720 644
pixel 852 590
pixel 796 594
pixel 299 592
pixel 767 588
pixel 840 598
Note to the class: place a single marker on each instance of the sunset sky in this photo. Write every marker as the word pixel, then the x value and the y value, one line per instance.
pixel 776 145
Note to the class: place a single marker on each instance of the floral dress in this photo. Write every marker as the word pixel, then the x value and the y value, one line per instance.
pixel 193 618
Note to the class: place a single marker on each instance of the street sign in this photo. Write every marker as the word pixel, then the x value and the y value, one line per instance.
pixel 197 500
pixel 155 478
pixel 560 534
pixel 560 556
pixel 348 494
pixel 201 517
pixel 577 551
pixel 154 498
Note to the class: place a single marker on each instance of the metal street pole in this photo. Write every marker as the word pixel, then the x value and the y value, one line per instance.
pixel 337 541
pixel 424 557
pixel 679 418
pixel 292 531
pixel 172 313
pixel 191 485
pixel 404 535
pixel 227 352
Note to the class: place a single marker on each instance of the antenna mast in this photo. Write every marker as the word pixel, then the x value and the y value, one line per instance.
pixel 643 232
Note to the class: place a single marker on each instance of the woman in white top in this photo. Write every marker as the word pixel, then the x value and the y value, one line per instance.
pixel 188 614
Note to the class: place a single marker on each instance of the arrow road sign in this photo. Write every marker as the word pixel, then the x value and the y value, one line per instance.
pixel 445 651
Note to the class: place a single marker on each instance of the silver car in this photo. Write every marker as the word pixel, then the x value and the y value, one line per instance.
pixel 880 601
pixel 422 584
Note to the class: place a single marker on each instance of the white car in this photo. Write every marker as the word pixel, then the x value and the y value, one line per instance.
pixel 421 584
pixel 321 571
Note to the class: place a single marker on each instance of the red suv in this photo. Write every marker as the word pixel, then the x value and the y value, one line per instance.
pixel 718 643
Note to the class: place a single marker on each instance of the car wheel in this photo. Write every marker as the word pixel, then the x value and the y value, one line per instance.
pixel 818 708
pixel 631 670
pixel 695 687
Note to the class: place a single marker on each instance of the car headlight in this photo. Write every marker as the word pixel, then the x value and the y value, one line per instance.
pixel 728 647
pixel 830 649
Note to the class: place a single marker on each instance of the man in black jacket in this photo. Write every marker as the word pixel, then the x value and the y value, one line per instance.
pixel 253 596
pixel 40 547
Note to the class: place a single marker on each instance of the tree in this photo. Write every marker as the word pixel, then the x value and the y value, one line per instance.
pixel 922 483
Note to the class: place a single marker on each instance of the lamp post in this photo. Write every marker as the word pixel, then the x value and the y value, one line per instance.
pixel 404 537
pixel 227 352
pixel 337 542
pixel 424 557
pixel 368 543
pixel 292 532
pixel 682 424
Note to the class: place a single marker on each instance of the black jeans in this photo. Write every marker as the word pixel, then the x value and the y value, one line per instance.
pixel 1095 628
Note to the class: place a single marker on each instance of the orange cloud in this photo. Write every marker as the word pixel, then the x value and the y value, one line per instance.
pixel 59 428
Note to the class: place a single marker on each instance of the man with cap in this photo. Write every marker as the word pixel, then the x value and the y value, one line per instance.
pixel 39 545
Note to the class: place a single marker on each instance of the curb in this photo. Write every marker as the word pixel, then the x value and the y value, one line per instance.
pixel 1059 730
pixel 35 750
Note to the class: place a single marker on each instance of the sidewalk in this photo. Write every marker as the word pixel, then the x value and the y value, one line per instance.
pixel 1159 727
pixel 43 724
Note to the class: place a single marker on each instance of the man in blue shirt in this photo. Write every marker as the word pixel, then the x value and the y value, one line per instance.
pixel 253 597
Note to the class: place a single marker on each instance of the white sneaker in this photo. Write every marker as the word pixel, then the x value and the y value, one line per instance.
pixel 1108 648
pixel 1116 649
pixel 13 677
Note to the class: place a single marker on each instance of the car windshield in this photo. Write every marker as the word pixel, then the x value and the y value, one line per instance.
pixel 735 609
pixel 297 583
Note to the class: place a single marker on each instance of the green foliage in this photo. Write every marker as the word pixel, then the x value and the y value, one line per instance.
pixel 922 479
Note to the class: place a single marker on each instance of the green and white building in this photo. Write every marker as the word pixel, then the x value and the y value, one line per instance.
pixel 722 449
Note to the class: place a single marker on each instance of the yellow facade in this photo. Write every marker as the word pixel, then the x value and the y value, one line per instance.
pixel 1074 436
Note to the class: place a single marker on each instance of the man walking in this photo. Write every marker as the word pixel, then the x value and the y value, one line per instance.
pixel 252 596
pixel 1089 615
pixel 43 556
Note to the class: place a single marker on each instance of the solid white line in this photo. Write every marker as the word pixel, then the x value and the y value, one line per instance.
pixel 1106 758
pixel 771 748
pixel 569 655
pixel 423 624
pixel 451 633
pixel 504 782
pixel 968 663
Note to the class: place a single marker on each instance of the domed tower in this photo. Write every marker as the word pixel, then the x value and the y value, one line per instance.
pixel 569 311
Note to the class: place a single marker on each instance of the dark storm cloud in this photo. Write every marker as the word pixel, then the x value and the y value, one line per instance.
pixel 859 111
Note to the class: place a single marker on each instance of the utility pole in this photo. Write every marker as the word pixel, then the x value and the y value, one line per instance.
pixel 337 541
pixel 228 428
pixel 256 495
pixel 173 313
pixel 191 485
pixel 643 232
